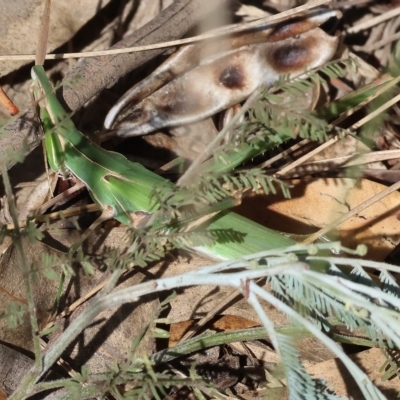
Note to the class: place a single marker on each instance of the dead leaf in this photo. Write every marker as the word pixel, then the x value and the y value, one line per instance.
pixel 13 366
pixel 109 338
pixel 339 379
pixel 20 21
pixel 223 323
pixel 316 203
pixel 12 289
pixel 232 322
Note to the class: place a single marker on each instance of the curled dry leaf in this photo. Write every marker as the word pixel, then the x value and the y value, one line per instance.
pixel 222 80
pixel 316 203
pixel 223 323
pixel 107 340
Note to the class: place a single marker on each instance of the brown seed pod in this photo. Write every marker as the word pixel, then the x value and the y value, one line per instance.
pixel 222 80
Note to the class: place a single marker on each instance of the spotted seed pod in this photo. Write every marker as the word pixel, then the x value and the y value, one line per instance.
pixel 200 87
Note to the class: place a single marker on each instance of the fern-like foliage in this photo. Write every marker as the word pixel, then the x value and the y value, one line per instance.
pixel 305 295
pixel 282 119
pixel 302 386
pixel 332 70
pixel 321 302
pixel 212 188
pixel 14 314
pixel 357 301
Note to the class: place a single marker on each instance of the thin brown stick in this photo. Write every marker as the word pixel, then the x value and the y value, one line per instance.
pixel 41 48
pixel 7 103
pixel 173 43
pixel 374 21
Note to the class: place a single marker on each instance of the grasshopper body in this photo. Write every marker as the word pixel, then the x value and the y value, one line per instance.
pixel 126 187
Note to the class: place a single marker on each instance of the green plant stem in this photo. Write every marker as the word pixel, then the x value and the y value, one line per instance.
pixel 89 391
pixel 97 384
pixel 17 240
pixel 194 167
pixel 211 339
pixel 201 342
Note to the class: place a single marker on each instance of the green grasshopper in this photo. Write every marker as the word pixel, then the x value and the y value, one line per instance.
pixel 124 187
